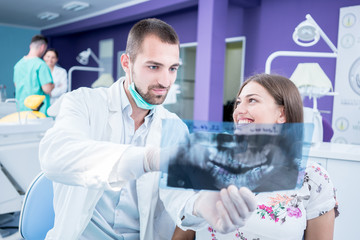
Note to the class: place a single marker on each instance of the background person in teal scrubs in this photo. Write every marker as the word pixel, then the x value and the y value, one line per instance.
pixel 32 75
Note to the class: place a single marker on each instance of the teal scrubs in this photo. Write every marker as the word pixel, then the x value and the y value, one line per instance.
pixel 29 75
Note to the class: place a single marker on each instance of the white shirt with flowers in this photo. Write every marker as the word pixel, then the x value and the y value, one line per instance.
pixel 283 214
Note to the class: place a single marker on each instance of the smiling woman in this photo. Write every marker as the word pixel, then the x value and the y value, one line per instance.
pixel 292 214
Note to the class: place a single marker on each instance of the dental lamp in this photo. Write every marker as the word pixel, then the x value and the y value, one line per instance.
pixel 306 34
pixel 309 77
pixel 83 58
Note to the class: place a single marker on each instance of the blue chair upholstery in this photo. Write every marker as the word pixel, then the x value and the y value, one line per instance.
pixel 37 213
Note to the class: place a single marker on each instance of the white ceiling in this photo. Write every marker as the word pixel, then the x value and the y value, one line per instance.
pixel 23 13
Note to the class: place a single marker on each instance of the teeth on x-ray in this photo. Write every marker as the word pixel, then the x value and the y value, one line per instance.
pixel 261 157
pixel 240 160
pixel 251 178
pixel 250 158
pixel 229 170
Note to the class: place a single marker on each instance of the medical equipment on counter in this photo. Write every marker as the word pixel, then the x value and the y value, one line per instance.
pixel 19 144
pixel 2 93
pixel 7 107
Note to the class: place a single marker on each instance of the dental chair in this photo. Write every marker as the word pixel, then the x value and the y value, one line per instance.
pixel 323 131
pixel 34 102
pixel 37 213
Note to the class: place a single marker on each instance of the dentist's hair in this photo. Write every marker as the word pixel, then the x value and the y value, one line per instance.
pixel 285 93
pixel 150 26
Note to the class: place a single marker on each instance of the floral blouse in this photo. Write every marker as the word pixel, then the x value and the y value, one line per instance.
pixel 283 214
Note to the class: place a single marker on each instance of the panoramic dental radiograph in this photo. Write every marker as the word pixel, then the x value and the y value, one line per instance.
pixel 260 157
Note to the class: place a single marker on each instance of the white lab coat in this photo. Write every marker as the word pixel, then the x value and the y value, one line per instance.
pixel 60 80
pixel 81 150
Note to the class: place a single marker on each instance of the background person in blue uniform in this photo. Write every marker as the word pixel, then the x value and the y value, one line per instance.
pixel 32 75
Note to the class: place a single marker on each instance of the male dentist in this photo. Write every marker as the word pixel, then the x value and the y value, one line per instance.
pixel 100 153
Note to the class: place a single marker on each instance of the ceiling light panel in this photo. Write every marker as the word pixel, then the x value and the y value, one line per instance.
pixel 75 6
pixel 48 15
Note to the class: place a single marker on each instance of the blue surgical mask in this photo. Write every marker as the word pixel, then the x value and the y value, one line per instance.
pixel 140 102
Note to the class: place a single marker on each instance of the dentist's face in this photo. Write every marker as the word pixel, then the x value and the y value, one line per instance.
pixel 154 69
pixel 256 105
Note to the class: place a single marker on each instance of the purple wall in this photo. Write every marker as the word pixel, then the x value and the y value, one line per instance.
pixel 69 45
pixel 210 58
pixel 125 15
pixel 268 27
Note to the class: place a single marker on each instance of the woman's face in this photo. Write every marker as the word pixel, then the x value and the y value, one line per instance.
pixel 256 105
pixel 50 58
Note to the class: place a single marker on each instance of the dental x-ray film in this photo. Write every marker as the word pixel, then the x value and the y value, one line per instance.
pixel 265 157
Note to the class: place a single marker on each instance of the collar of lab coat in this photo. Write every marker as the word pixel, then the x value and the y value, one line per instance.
pixel 114 96
pixel 117 101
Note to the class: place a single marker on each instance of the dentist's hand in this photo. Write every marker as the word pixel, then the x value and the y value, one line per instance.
pixel 226 210
pixel 152 159
pixel 158 159
pixel 195 151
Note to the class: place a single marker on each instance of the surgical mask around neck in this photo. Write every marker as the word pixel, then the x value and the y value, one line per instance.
pixel 140 102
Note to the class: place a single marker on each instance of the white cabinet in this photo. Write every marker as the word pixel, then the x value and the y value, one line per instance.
pixel 19 161
pixel 342 161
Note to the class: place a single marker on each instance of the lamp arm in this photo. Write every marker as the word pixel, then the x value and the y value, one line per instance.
pixel 81 68
pixel 324 36
pixel 295 54
pixel 94 56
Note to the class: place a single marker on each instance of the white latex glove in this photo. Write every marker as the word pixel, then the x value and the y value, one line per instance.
pixel 157 159
pixel 136 161
pixel 192 150
pixel 152 159
pixel 226 210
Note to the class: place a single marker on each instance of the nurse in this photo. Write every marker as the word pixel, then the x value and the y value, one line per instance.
pixel 59 74
pixel 308 212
